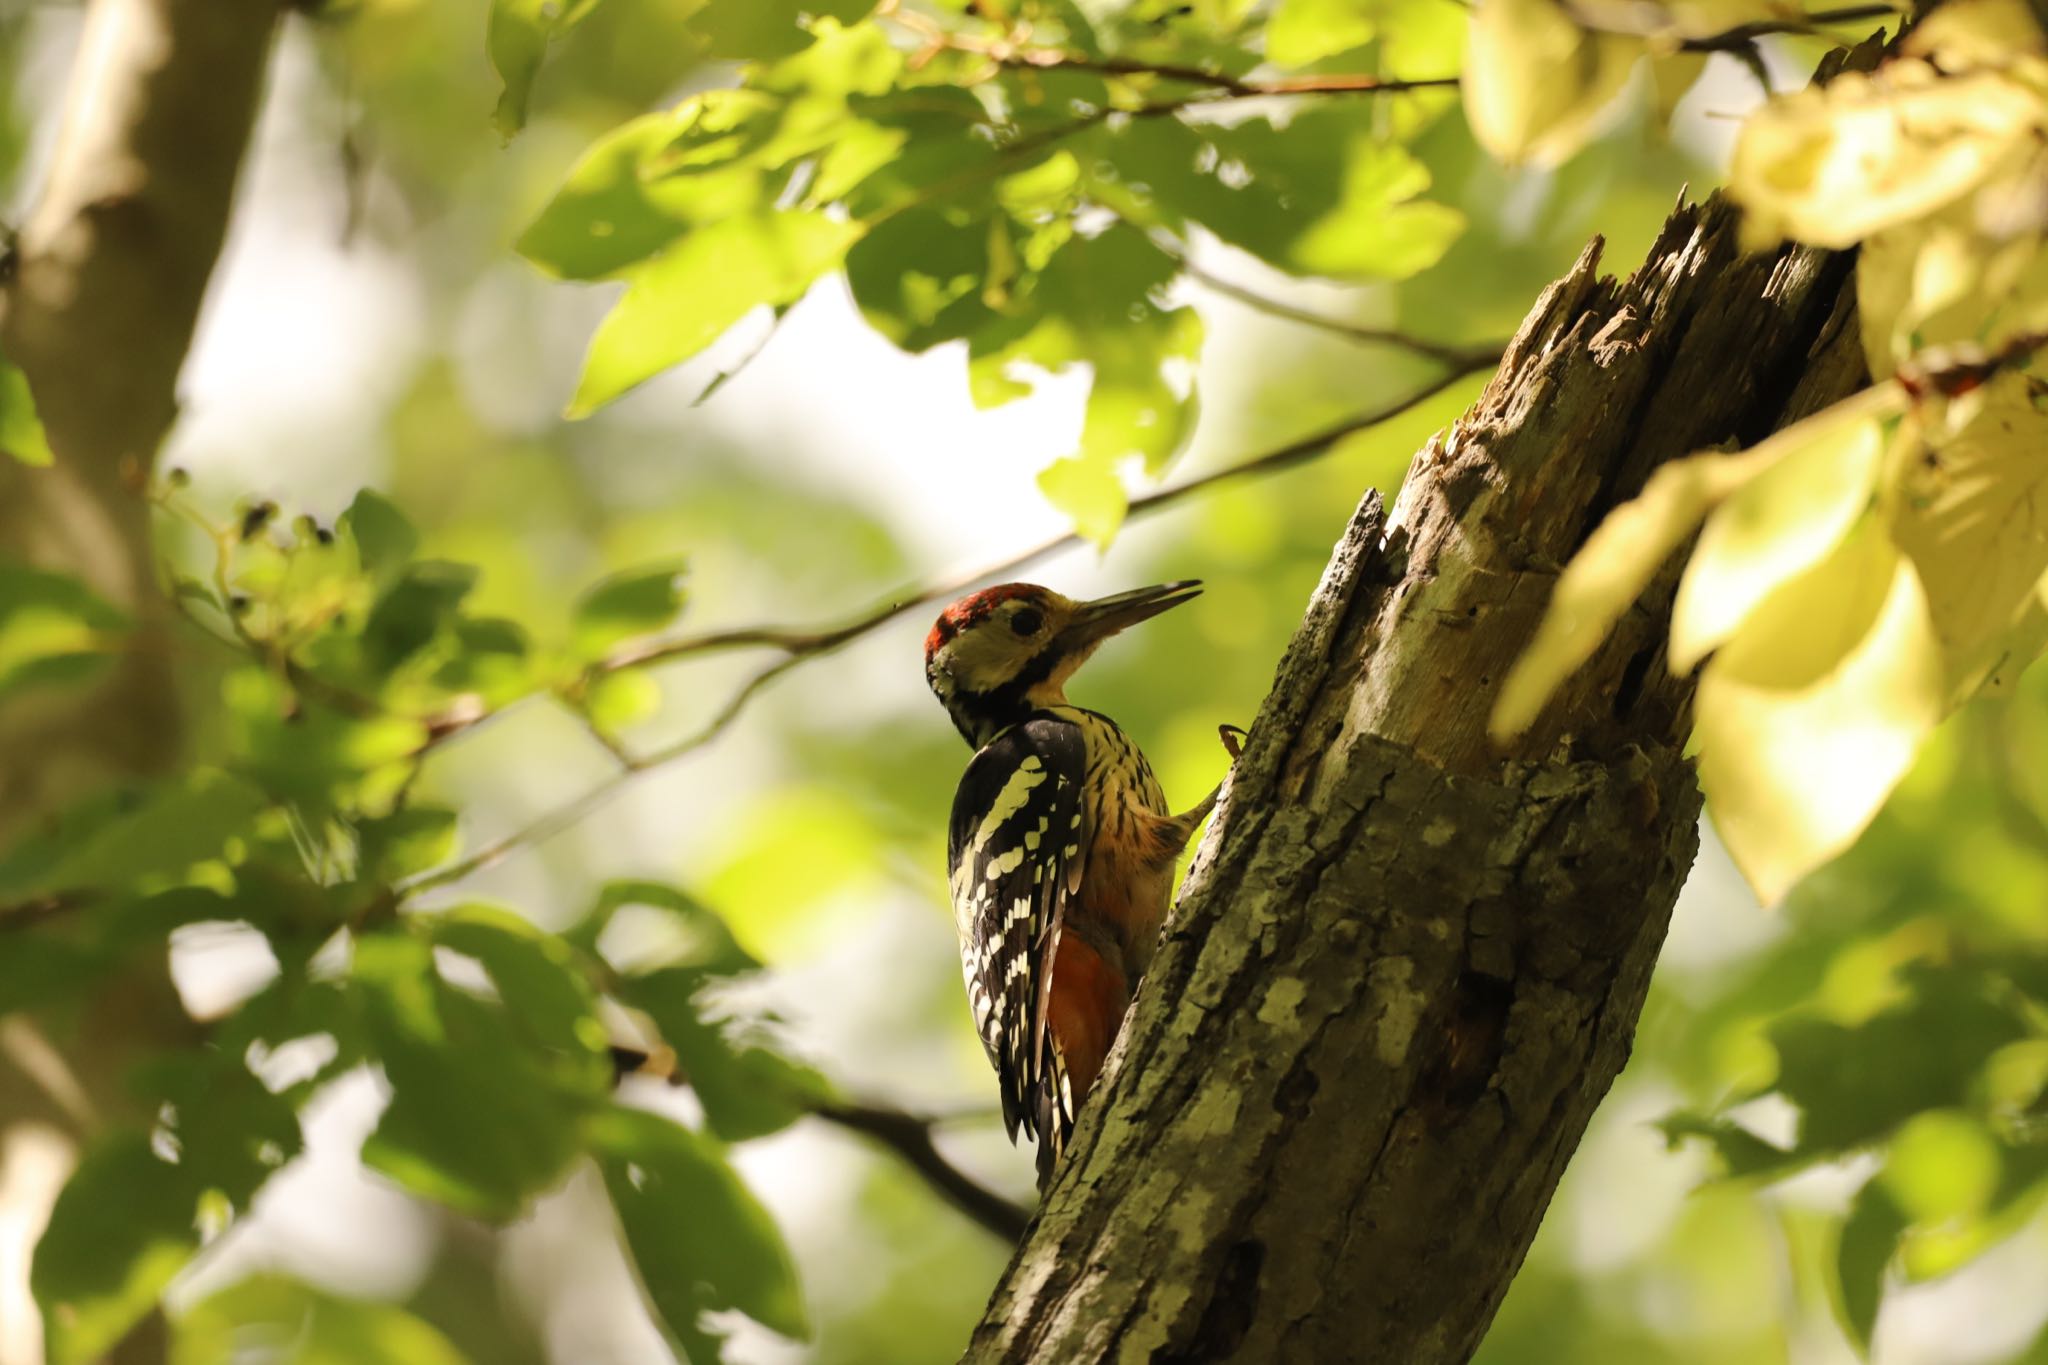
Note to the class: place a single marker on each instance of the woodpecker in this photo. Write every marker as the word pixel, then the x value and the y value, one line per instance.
pixel 1061 848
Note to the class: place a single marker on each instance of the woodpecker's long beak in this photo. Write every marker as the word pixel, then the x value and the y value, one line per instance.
pixel 1104 617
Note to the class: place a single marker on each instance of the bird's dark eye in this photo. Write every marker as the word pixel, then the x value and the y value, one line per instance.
pixel 1027 621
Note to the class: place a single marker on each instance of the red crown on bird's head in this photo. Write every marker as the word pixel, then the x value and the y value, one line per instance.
pixel 972 608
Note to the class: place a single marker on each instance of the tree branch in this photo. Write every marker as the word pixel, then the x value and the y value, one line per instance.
pixel 798 645
pixel 1406 966
pixel 910 1138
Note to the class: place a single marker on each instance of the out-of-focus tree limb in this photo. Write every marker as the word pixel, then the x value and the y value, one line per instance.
pixel 97 307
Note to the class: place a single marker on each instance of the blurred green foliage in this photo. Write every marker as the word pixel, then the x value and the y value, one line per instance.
pixel 390 703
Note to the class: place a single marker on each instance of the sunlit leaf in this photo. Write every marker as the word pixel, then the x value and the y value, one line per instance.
pixel 1304 31
pixel 1779 524
pixel 1942 1165
pixel 1815 708
pixel 408 841
pixel 517 38
pixel 1090 493
pixel 1832 164
pixel 1968 515
pixel 1536 84
pixel 1326 195
pixel 1621 557
pixel 619 698
pixel 54 630
pixel 1963 34
pixel 681 301
pixel 274 1318
pixel 21 430
pixel 699 1239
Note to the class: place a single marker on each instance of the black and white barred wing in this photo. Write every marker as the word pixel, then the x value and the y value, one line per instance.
pixel 1013 860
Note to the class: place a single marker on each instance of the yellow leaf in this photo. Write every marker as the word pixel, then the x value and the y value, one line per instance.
pixel 1812 713
pixel 1671 76
pixel 1944 279
pixel 1972 513
pixel 1831 165
pixel 1536 83
pixel 1621 557
pixel 1781 523
pixel 1087 489
pixel 1961 35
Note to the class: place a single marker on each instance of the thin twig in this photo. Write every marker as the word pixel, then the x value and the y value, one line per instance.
pixel 797 641
pixel 910 1137
pixel 799 645
pixel 1742 35
pixel 907 1135
pixel 1232 87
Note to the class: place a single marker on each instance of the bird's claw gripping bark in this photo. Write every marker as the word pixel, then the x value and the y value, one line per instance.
pixel 1233 738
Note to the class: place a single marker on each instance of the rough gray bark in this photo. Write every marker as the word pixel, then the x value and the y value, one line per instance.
pixel 98 307
pixel 1407 965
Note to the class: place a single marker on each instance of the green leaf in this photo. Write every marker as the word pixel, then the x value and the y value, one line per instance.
pixel 54 631
pixel 747 1091
pixel 920 277
pixel 482 1118
pixel 621 697
pixel 755 30
pixel 274 1318
pixel 517 37
pixel 385 541
pixel 1869 1240
pixel 21 430
pixel 425 597
pixel 143 840
pixel 1741 1152
pixel 1090 493
pixel 230 1134
pixel 697 938
pixel 680 302
pixel 1305 31
pixel 1328 195
pixel 1536 84
pixel 699 1239
pixel 121 1229
pixel 407 841
pixel 616 209
pixel 1096 303
pixel 626 606
pixel 1855 1083
pixel 540 981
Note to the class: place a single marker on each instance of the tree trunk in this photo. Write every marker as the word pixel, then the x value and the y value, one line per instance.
pixel 1407 964
pixel 100 300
